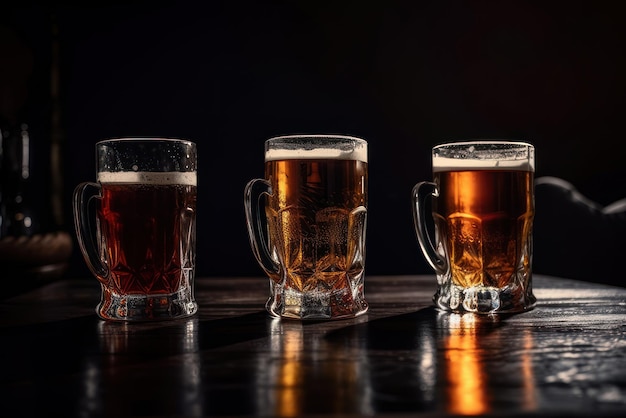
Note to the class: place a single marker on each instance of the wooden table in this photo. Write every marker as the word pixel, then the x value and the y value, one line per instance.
pixel 565 358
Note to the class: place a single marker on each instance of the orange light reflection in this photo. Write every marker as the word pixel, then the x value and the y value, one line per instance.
pixel 528 376
pixel 467 392
pixel 288 396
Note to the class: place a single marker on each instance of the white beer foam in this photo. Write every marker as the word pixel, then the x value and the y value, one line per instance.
pixel 143 177
pixel 456 164
pixel 359 154
pixel 484 155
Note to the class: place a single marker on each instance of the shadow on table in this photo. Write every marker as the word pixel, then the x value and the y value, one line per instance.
pixel 135 341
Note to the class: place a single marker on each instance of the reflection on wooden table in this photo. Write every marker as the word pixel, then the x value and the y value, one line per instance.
pixel 565 357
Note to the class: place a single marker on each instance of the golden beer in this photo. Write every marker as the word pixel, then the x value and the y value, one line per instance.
pixel 316 216
pixel 312 245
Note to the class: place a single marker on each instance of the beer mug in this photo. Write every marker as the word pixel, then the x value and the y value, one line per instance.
pixel 482 212
pixel 306 222
pixel 143 247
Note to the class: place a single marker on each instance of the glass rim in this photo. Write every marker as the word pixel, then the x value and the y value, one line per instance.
pixel 500 142
pixel 316 136
pixel 146 139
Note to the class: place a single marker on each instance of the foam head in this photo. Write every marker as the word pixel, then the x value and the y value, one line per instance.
pixel 328 147
pixel 484 155
pixel 188 178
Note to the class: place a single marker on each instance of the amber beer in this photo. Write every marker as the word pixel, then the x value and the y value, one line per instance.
pixel 483 208
pixel 147 221
pixel 315 208
pixel 485 220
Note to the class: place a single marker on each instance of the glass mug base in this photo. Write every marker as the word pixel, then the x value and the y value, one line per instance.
pixel 484 299
pixel 139 307
pixel 316 305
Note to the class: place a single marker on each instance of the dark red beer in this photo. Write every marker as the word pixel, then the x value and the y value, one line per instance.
pixel 148 233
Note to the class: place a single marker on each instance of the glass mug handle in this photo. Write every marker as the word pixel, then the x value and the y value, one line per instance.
pixel 85 234
pixel 422 191
pixel 259 240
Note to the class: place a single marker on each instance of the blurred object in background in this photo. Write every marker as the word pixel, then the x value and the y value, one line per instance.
pixel 34 245
pixel 576 237
pixel 17 215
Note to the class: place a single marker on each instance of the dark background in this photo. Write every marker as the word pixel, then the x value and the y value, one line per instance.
pixel 403 75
